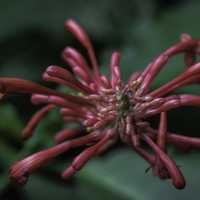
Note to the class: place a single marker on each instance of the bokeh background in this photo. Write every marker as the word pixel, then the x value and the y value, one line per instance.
pixel 32 36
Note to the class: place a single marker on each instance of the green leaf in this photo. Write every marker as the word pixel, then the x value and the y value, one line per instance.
pixel 121 176
pixel 48 190
pixel 10 124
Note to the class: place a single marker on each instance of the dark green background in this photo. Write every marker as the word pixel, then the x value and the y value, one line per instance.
pixel 32 37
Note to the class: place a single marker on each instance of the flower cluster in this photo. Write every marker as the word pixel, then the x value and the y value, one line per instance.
pixel 109 109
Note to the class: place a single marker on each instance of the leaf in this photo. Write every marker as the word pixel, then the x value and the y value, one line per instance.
pixel 10 124
pixel 122 176
pixel 48 190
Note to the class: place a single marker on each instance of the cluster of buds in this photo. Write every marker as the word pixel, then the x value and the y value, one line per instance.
pixel 107 109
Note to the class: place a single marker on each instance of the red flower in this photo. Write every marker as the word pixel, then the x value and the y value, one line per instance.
pixel 109 109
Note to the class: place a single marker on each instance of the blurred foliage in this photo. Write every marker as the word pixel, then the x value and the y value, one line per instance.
pixel 32 37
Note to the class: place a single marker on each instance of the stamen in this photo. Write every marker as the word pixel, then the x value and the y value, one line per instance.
pixel 81 35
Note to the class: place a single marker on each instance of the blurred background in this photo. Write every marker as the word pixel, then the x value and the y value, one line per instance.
pixel 32 37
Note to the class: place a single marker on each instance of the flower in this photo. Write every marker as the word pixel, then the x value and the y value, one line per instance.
pixel 109 109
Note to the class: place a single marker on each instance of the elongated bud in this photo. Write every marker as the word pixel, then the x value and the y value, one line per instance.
pixel 115 59
pixel 21 169
pixel 65 134
pixel 61 80
pixel 83 158
pixel 185 37
pixel 69 60
pixel 60 72
pixel 78 32
pixel 8 84
pixel 81 73
pixel 175 173
pixel 71 113
pixel 77 57
pixel 36 118
pixel 39 98
pixel 81 35
pixel 105 81
pixel 115 72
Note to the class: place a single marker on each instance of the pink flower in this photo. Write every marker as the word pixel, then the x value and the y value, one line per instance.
pixel 109 109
